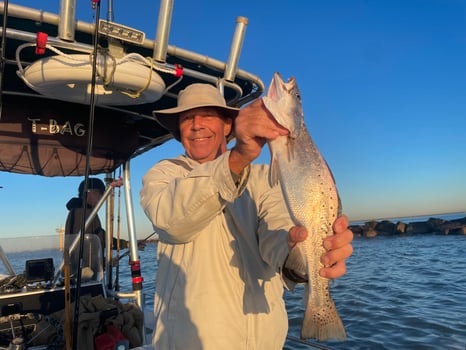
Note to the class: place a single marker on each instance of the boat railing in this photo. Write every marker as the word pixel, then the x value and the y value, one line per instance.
pixel 74 245
pixel 230 68
pixel 6 262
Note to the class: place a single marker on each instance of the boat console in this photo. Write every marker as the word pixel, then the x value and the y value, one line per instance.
pixel 33 297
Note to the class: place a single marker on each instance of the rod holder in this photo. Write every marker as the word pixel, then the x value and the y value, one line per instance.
pixel 67 22
pixel 163 31
pixel 235 48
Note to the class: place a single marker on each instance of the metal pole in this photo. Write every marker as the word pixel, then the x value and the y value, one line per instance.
pixel 7 264
pixel 163 30
pixel 109 232
pixel 110 15
pixel 235 48
pixel 134 258
pixel 67 23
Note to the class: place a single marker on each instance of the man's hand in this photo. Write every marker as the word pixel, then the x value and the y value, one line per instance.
pixel 295 235
pixel 338 247
pixel 252 128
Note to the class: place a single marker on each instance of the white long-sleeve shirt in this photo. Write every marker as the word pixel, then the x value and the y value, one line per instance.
pixel 220 253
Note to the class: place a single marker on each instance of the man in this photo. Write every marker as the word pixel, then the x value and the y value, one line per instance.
pixel 224 232
pixel 95 191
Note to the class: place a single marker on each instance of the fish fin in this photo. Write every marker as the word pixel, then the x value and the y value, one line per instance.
pixel 322 323
pixel 340 207
pixel 274 110
pixel 307 293
pixel 291 145
pixel 268 103
pixel 296 261
pixel 273 171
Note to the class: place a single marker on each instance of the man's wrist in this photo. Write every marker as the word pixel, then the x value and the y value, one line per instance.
pixel 236 162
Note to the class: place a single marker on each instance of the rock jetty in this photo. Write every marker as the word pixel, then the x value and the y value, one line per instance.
pixel 438 226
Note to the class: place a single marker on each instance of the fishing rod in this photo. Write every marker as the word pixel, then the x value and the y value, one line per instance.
pixel 153 233
pixel 2 57
pixel 117 260
pixel 143 240
pixel 308 343
pixel 92 103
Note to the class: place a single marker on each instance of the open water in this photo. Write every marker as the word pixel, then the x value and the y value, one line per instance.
pixel 398 293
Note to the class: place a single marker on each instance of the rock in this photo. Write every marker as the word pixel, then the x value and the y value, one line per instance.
pixel 419 227
pixel 357 230
pixel 375 228
pixel 400 227
pixel 451 227
pixel 457 231
pixel 370 233
pixel 437 224
pixel 461 221
pixel 370 225
pixel 385 227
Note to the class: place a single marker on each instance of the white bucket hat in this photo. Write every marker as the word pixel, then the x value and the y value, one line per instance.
pixel 194 96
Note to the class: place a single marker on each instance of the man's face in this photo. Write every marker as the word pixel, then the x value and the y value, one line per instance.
pixel 203 133
pixel 93 197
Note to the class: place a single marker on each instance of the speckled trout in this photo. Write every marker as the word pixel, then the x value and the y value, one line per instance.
pixel 312 199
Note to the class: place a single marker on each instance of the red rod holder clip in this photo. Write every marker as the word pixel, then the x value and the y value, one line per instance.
pixel 94 3
pixel 178 70
pixel 118 182
pixel 41 42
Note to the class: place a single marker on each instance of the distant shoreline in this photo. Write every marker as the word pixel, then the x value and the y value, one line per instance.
pixel 412 218
pixel 446 224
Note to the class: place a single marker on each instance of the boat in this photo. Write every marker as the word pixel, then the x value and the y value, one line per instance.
pixel 76 99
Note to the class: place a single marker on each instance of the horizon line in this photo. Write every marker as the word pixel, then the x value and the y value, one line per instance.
pixel 409 216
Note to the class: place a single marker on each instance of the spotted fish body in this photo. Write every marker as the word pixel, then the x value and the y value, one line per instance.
pixel 312 199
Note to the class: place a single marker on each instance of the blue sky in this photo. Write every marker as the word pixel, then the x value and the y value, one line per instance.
pixel 383 86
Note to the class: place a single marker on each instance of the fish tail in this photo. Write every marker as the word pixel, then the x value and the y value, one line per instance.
pixel 322 323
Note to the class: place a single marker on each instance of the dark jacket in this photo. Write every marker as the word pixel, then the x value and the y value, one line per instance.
pixel 74 221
